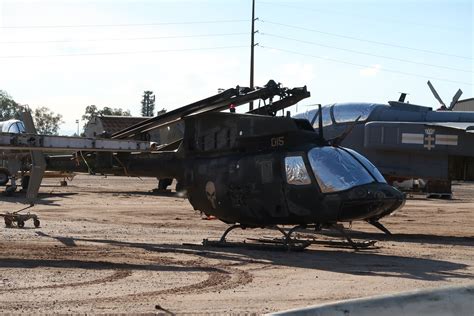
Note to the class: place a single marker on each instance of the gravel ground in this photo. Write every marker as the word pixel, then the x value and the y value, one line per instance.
pixel 108 245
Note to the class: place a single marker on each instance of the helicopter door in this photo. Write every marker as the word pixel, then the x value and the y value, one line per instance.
pixel 298 186
pixel 256 188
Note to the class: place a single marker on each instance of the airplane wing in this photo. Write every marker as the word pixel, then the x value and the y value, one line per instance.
pixel 467 127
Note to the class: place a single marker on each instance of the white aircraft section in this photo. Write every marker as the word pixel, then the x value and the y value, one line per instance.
pixel 445 301
pixel 12 126
pixel 61 143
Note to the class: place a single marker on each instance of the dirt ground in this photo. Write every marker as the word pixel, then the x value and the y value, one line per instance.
pixel 108 245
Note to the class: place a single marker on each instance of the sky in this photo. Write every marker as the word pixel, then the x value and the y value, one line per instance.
pixel 69 54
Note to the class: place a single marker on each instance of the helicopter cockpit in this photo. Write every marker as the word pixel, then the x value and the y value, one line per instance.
pixel 340 113
pixel 348 181
pixel 12 126
pixel 334 168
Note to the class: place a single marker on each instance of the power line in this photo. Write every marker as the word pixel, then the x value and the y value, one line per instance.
pixel 123 53
pixel 363 53
pixel 364 66
pixel 122 39
pixel 352 15
pixel 364 40
pixel 117 25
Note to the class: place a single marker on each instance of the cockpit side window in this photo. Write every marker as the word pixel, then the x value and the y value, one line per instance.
pixel 349 112
pixel 296 172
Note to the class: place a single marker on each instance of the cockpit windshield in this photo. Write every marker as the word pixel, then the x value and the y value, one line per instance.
pixel 21 127
pixel 349 112
pixel 12 126
pixel 313 116
pixel 335 169
pixel 368 165
pixel 327 120
pixel 17 127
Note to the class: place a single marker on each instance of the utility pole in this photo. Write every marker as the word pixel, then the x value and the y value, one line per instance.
pixel 252 46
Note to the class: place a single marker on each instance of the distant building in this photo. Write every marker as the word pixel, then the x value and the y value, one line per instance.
pixel 106 125
pixel 464 105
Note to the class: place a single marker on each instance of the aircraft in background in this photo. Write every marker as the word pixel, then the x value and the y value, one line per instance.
pixel 12 161
pixel 406 141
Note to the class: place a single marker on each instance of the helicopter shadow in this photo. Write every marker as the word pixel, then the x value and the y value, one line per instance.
pixel 141 193
pixel 411 238
pixel 49 199
pixel 363 263
pixel 100 265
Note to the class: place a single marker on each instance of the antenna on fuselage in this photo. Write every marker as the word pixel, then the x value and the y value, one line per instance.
pixel 402 97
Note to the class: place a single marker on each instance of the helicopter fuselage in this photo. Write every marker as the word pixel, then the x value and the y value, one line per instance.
pixel 253 190
pixel 246 173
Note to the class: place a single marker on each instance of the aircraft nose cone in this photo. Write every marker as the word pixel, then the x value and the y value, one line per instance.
pixel 379 195
pixel 371 201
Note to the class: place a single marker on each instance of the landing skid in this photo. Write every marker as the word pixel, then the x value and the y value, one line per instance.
pixel 331 243
pixel 287 242
pixel 257 245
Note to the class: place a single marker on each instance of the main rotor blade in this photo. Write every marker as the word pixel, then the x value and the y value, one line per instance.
pixel 237 96
pixel 175 115
pixel 292 97
pixel 436 95
pixel 455 99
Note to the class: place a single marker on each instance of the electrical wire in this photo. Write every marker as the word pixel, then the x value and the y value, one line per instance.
pixel 363 66
pixel 364 40
pixel 122 39
pixel 385 20
pixel 116 25
pixel 363 53
pixel 124 53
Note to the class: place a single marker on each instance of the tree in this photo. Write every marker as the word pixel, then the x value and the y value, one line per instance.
pixel 46 121
pixel 92 110
pixel 9 109
pixel 148 103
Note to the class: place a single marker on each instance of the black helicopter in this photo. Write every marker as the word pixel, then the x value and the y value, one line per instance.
pixel 257 170
pixel 254 170
pixel 261 171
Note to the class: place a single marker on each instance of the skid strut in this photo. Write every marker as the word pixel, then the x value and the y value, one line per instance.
pixel 285 243
pixel 356 245
pixel 227 231
pixel 380 226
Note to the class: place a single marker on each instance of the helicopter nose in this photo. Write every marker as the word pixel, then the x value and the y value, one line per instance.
pixel 370 201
